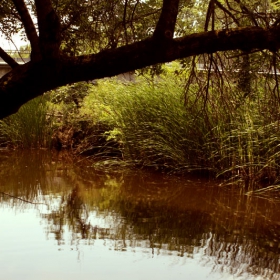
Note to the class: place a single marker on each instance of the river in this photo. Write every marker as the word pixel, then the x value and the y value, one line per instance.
pixel 63 219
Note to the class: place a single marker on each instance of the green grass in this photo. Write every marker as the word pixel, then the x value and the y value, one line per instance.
pixel 156 129
pixel 150 122
pixel 30 127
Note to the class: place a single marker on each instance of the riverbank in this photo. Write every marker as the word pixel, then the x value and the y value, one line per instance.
pixel 156 124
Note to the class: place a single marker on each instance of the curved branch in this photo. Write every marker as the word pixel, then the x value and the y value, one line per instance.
pixel 248 12
pixel 219 5
pixel 29 28
pixel 210 12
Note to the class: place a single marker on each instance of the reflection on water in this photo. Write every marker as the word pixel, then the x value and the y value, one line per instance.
pixel 59 219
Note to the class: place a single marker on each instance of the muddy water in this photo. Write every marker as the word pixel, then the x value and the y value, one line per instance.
pixel 64 221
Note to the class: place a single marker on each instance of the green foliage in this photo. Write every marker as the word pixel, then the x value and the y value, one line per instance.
pixel 72 94
pixel 67 102
pixel 149 120
pixel 30 127
pixel 231 135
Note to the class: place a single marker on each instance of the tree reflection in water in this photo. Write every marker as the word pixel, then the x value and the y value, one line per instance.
pixel 129 210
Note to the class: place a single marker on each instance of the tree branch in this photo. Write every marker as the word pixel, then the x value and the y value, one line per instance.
pixel 49 29
pixel 247 11
pixel 210 12
pixel 124 21
pixel 30 29
pixel 8 59
pixel 227 12
pixel 24 200
pixel 166 24
pixel 141 54
pixel 36 78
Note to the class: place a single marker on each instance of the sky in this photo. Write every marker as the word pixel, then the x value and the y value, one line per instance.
pixel 6 45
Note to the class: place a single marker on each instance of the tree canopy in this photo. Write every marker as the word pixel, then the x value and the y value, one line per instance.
pixel 81 40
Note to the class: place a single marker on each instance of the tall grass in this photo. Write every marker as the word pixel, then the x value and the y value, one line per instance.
pixel 156 129
pixel 151 123
pixel 30 127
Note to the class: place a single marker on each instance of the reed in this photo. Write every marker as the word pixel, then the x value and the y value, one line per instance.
pixel 247 147
pixel 151 123
pixel 30 127
pixel 236 141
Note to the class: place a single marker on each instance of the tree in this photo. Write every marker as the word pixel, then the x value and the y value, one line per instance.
pixel 80 40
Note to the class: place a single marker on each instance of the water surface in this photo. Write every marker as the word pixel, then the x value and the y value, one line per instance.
pixel 62 220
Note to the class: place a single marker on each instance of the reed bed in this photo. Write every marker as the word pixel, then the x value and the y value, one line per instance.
pixel 154 128
pixel 150 122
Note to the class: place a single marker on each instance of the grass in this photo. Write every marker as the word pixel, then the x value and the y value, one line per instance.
pixel 150 122
pixel 156 129
pixel 30 127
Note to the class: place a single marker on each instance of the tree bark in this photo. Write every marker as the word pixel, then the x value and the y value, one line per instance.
pixel 167 20
pixel 49 29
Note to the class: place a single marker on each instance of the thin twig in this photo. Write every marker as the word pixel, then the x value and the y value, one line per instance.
pixel 24 200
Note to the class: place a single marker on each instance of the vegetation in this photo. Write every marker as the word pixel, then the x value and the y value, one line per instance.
pixel 31 127
pixel 152 123
pixel 216 112
pixel 154 128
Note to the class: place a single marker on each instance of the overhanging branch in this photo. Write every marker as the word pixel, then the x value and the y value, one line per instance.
pixel 36 78
pixel 146 53
pixel 8 59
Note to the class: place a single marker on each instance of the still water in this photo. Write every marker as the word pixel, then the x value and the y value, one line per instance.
pixel 60 220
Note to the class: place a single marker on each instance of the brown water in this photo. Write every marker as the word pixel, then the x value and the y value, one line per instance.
pixel 63 221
